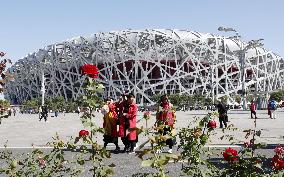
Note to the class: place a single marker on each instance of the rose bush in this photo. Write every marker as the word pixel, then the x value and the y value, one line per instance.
pixel 90 102
pixel 6 76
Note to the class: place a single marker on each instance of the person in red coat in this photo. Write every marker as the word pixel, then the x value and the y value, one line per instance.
pixel 128 123
pixel 166 118
pixel 121 108
pixel 253 110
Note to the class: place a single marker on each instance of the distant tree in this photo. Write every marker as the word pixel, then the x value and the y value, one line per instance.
pixel 71 106
pixel 277 96
pixel 208 101
pixel 224 99
pixel 238 99
pixel 30 104
pixel 175 99
pixel 156 98
pixel 4 104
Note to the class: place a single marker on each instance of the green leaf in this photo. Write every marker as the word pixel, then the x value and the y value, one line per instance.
pixel 203 139
pixel 173 156
pixel 147 163
pixel 13 164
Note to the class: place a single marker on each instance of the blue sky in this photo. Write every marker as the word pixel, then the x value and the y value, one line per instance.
pixel 27 25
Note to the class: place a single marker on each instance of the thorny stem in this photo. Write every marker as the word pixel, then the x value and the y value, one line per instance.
pixel 161 169
pixel 93 148
pixel 253 139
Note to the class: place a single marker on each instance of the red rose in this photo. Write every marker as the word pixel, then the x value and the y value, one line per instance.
pixel 212 124
pixel 83 133
pixel 230 155
pixel 90 70
pixel 277 163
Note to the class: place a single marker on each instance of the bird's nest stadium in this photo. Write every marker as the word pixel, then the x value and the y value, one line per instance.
pixel 149 62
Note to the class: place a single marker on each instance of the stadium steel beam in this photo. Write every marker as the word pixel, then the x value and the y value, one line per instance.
pixel 148 62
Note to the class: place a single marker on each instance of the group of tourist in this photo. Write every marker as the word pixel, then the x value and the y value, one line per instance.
pixel 271 108
pixel 223 116
pixel 120 120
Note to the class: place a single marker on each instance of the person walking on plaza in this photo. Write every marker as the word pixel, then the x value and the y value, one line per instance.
pixel 64 111
pixel 272 106
pixel 44 113
pixel 40 112
pixel 56 113
pixel 223 117
pixel 253 110
pixel 110 121
pixel 166 118
pixel 14 111
pixel 78 110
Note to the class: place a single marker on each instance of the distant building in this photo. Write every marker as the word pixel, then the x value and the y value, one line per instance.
pixel 148 62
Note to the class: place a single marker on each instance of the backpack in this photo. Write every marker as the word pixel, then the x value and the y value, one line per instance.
pixel 272 105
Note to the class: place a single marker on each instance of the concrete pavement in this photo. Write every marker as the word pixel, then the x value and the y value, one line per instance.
pixel 25 130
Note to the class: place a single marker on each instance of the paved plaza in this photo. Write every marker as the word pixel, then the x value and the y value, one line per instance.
pixel 25 130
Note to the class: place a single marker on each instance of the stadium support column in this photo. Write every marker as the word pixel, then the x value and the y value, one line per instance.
pixel 243 78
pixel 212 84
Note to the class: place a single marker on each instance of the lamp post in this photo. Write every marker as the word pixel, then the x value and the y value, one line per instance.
pixel 42 88
pixel 251 44
pixel 242 58
pixel 43 78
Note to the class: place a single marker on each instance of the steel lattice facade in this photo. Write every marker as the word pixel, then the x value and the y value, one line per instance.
pixel 148 62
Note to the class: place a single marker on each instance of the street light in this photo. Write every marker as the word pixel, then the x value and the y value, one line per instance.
pixel 225 29
pixel 242 58
pixel 43 78
pixel 41 57
pixel 242 53
pixel 42 88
